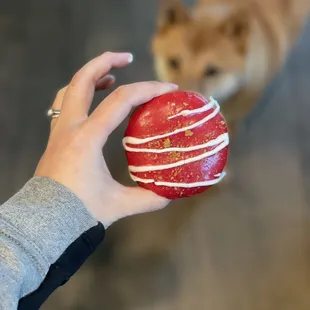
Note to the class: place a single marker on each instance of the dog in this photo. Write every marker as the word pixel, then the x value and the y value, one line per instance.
pixel 227 49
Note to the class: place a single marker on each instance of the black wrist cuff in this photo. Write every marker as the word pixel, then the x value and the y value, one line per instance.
pixel 65 267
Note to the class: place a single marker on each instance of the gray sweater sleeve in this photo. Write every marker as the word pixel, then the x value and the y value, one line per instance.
pixel 36 226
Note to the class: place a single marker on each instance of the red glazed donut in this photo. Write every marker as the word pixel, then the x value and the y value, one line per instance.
pixel 177 144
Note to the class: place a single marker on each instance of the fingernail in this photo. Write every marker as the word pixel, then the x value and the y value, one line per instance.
pixel 168 87
pixel 112 79
pixel 110 76
pixel 130 58
pixel 172 85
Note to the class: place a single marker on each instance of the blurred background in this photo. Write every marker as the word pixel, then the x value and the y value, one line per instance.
pixel 247 247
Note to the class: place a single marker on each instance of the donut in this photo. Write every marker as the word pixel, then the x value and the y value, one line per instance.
pixel 177 144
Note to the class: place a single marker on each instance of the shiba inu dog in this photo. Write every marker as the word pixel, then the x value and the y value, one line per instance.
pixel 228 49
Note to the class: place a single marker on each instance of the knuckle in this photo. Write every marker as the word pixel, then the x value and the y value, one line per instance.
pixel 108 54
pixel 61 91
pixel 87 72
pixel 75 80
pixel 77 77
pixel 83 75
pixel 120 91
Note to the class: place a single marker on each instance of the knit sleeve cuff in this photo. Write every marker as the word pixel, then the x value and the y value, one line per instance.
pixel 44 218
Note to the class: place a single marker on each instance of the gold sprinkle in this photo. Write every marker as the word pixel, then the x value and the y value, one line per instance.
pixel 175 155
pixel 167 143
pixel 188 133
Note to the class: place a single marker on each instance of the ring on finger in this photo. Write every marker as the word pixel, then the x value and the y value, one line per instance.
pixel 53 113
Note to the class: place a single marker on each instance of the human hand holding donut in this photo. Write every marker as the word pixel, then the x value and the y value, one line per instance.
pixel 73 156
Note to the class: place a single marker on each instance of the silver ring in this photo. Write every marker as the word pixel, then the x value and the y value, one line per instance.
pixel 53 113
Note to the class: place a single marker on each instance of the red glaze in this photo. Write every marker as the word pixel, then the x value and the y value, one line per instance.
pixel 151 119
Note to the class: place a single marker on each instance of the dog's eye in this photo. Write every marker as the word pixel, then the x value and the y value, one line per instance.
pixel 174 63
pixel 211 71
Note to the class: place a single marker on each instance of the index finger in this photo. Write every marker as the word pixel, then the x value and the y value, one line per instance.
pixel 79 94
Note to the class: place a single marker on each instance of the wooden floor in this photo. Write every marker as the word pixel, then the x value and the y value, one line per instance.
pixel 246 247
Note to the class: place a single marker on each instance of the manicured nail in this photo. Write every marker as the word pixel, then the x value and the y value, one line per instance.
pixel 168 87
pixel 172 85
pixel 130 58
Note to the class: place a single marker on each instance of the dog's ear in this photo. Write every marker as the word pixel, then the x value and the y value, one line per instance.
pixel 172 12
pixel 237 27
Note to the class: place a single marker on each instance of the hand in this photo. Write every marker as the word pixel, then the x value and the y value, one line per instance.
pixel 73 156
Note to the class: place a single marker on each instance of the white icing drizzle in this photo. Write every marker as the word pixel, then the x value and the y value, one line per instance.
pixel 220 142
pixel 218 174
pixel 133 140
pixel 180 162
pixel 205 108
pixel 185 185
pixel 219 139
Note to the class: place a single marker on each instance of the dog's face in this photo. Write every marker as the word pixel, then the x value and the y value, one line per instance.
pixel 207 56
